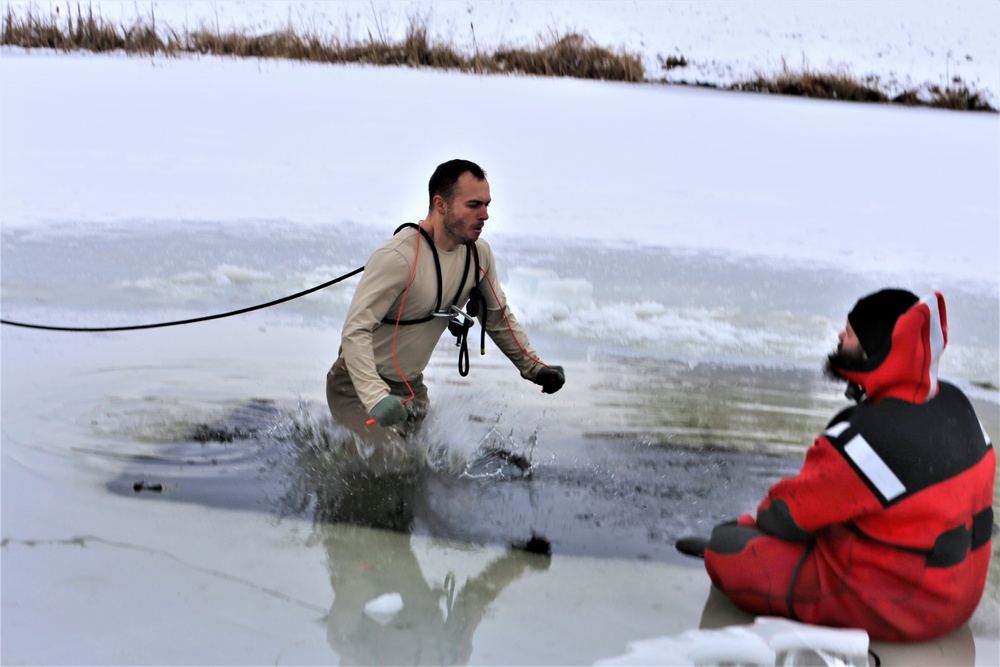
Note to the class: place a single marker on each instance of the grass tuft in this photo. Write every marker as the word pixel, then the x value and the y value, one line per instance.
pixel 85 32
pixel 672 62
pixel 958 97
pixel 571 55
pixel 807 83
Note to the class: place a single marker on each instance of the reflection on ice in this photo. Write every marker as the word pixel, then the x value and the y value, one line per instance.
pixel 386 612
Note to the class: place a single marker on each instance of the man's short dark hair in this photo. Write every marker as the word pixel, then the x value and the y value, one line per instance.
pixel 446 175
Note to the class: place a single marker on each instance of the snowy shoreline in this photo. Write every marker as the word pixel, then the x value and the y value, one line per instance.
pixel 723 43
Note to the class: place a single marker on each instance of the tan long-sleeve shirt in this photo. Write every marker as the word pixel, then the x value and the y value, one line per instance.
pixel 367 342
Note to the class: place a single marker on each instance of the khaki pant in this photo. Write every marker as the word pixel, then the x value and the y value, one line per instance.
pixel 348 410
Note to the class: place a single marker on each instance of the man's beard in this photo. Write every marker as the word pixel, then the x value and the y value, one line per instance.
pixel 843 360
pixel 455 230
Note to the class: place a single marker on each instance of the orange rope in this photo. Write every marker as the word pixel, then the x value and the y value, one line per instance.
pixel 399 316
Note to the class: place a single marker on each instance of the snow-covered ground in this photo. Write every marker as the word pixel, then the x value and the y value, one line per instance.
pixel 676 223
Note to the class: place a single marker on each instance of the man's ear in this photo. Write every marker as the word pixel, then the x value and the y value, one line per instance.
pixel 440 205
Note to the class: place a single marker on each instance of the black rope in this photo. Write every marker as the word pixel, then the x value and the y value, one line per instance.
pixel 193 320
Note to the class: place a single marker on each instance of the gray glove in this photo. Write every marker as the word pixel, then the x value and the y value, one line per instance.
pixel 551 378
pixel 390 410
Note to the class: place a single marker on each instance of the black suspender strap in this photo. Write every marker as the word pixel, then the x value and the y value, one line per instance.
pixel 437 267
pixel 459 325
pixel 465 276
pixel 477 302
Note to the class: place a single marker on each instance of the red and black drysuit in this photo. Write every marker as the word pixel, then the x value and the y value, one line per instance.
pixel 887 527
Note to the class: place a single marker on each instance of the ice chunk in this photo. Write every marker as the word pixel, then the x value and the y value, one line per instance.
pixel 735 645
pixel 800 643
pixel 769 641
pixel 384 607
pixel 541 295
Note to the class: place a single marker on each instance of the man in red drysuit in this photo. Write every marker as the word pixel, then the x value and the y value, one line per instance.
pixel 887 527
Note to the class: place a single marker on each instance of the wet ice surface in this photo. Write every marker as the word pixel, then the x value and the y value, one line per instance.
pixel 228 482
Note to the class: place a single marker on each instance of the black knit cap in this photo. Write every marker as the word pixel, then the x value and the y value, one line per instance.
pixel 875 315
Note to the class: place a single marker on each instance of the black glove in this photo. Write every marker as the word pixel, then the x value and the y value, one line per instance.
pixel 551 378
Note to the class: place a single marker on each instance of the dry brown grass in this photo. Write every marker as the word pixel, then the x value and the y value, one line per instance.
pixel 570 55
pixel 414 51
pixel 573 56
pixel 85 32
pixel 958 97
pixel 836 86
pixel 842 86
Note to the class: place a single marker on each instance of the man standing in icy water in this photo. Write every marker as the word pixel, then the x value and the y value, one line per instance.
pixel 427 278
pixel 887 527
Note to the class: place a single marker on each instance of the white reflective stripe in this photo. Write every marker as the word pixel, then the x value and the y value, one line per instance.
pixel 837 429
pixel 986 436
pixel 874 468
pixel 937 341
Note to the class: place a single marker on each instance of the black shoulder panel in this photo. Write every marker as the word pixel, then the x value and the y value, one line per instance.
pixel 900 448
